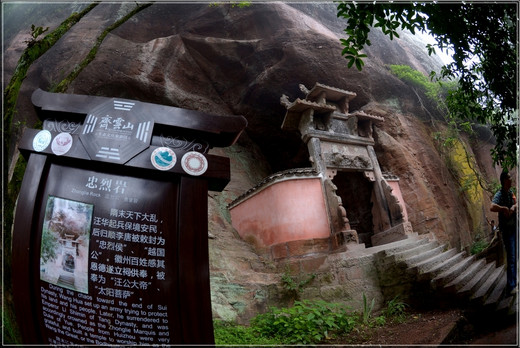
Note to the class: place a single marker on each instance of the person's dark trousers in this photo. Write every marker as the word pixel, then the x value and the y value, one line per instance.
pixel 509 238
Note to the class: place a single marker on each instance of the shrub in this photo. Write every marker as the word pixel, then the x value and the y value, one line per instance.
pixel 435 91
pixel 478 246
pixel 367 309
pixel 293 286
pixel 306 322
pixel 395 309
pixel 228 333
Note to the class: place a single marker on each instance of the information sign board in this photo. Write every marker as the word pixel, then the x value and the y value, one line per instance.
pixel 114 250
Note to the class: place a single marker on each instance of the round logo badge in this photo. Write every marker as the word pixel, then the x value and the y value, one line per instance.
pixel 163 158
pixel 194 163
pixel 61 144
pixel 42 140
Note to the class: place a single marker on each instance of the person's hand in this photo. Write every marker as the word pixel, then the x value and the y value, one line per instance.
pixel 508 211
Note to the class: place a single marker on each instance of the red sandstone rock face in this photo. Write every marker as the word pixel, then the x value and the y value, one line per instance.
pixel 227 60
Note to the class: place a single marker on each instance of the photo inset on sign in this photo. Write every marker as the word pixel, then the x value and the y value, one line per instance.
pixel 65 243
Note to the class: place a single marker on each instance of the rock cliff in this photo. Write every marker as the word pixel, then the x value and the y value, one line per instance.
pixel 229 60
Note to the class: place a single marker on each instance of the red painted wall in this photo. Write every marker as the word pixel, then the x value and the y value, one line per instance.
pixel 285 211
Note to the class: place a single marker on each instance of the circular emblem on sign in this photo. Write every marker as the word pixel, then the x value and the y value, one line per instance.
pixel 163 158
pixel 61 144
pixel 194 163
pixel 42 140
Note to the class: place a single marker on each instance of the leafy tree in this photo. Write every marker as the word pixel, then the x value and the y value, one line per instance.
pixel 49 246
pixel 484 44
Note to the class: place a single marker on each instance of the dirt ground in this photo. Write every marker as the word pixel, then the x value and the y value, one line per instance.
pixel 433 328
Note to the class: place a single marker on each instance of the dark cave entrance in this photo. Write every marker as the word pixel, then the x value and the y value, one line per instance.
pixel 355 191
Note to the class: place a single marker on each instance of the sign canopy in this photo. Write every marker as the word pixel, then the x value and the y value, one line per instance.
pixel 217 130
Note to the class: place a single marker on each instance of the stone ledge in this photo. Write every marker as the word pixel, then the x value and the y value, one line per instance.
pixel 312 247
pixel 396 233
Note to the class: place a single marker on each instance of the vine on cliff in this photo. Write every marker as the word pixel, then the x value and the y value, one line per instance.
pixel 35 49
pixel 64 84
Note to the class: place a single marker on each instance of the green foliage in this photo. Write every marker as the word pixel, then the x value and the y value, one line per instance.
pixel 483 39
pixel 49 246
pixel 435 91
pixel 478 246
pixel 306 322
pixel 10 330
pixel 396 309
pixel 228 333
pixel 446 142
pixel 239 4
pixel 367 309
pixel 480 242
pixel 353 56
pixel 293 286
pixel 380 320
pixel 35 32
pixel 359 19
pixel 495 186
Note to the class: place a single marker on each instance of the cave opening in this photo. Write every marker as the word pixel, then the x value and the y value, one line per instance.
pixel 356 191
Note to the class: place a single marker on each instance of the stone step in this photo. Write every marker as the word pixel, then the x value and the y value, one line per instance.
pixel 446 264
pixel 66 280
pixel 433 261
pixel 400 245
pixel 498 292
pixel 404 245
pixel 425 255
pixel 461 280
pixel 484 290
pixel 453 272
pixel 417 251
pixel 476 282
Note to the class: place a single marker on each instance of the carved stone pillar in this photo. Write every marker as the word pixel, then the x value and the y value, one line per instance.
pixel 381 202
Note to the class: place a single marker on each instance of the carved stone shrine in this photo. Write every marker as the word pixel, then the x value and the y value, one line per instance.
pixel 342 201
pixel 110 242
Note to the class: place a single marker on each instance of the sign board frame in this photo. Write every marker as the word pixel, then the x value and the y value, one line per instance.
pixel 136 211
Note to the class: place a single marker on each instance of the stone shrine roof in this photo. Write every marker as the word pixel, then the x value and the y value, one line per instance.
pixel 300 105
pixel 296 108
pixel 333 94
pixel 363 115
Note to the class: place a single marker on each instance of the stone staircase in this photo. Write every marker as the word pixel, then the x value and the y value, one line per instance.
pixel 434 274
pixel 66 279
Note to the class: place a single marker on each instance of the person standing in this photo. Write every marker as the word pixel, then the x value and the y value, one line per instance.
pixel 504 203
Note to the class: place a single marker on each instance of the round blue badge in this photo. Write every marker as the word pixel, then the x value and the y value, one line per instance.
pixel 42 140
pixel 163 158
